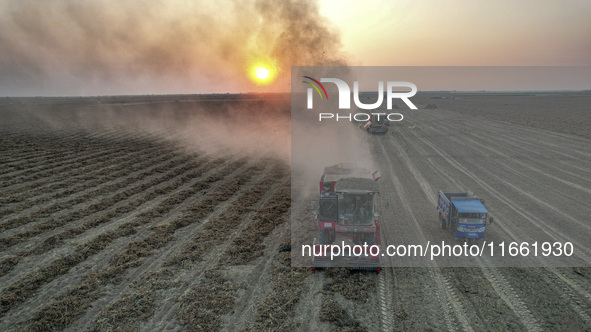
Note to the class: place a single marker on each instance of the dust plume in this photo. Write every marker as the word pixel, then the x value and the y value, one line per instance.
pixel 230 126
pixel 316 145
pixel 107 47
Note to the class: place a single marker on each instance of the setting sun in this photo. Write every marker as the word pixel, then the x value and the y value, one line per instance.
pixel 262 73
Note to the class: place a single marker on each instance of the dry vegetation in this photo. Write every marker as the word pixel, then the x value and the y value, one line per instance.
pixel 110 230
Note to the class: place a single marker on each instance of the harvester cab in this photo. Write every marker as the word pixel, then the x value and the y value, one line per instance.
pixel 347 216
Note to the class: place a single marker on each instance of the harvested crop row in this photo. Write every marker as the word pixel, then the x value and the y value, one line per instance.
pixel 64 162
pixel 201 308
pixel 78 169
pixel 98 174
pixel 30 188
pixel 63 173
pixel 288 285
pixel 42 150
pixel 36 150
pixel 162 234
pixel 87 178
pixel 8 264
pixel 118 187
pixel 36 158
pixel 26 287
pixel 483 307
pixel 547 300
pixel 214 232
pixel 264 221
pixel 52 315
pixel 332 312
pixel 14 154
pixel 22 290
pixel 249 245
pixel 146 196
pixel 148 286
pixel 45 171
pixel 219 229
pixel 355 285
pixel 53 154
pixel 12 162
pixel 54 241
pixel 76 175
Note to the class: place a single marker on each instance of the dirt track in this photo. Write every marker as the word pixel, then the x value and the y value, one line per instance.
pixel 536 184
pixel 106 229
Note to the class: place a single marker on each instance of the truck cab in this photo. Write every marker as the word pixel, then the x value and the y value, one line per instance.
pixel 463 214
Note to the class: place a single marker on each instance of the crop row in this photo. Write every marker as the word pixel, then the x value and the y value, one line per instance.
pixel 46 148
pixel 145 192
pixel 214 232
pixel 19 155
pixel 53 316
pixel 220 298
pixel 249 245
pixel 76 155
pixel 26 287
pixel 59 162
pixel 108 188
pixel 79 179
pixel 79 160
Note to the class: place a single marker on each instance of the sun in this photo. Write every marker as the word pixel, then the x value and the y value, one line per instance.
pixel 262 73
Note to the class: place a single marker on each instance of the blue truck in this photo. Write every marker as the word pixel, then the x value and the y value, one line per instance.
pixel 463 214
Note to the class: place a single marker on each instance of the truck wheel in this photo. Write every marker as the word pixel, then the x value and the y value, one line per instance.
pixel 370 239
pixel 442 222
pixel 324 236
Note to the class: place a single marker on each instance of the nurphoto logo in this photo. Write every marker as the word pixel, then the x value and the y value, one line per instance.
pixel 344 92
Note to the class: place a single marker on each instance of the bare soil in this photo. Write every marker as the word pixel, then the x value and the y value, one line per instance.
pixel 107 227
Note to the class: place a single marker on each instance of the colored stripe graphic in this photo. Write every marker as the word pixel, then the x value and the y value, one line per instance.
pixel 314 86
pixel 319 84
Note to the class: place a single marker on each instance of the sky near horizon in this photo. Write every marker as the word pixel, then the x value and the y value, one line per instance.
pixel 106 47
pixel 463 33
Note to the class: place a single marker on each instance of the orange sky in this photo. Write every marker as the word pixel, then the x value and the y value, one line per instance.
pixel 455 32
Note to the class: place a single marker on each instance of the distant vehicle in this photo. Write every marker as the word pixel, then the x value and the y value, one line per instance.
pixel 463 214
pixel 346 214
pixel 377 124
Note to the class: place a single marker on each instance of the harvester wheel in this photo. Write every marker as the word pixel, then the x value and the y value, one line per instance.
pixel 324 236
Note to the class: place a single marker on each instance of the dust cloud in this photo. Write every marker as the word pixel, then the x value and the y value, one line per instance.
pixel 107 47
pixel 316 145
pixel 233 126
